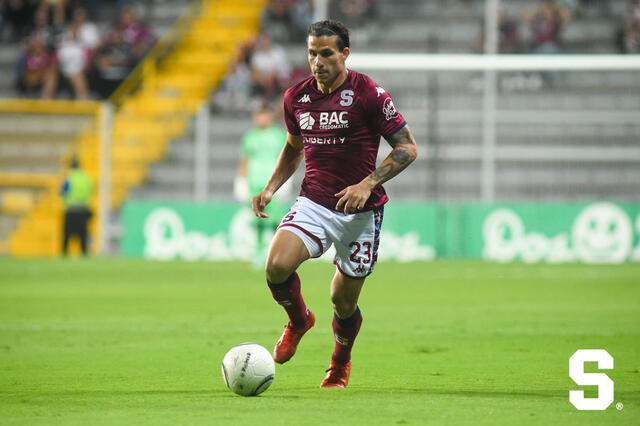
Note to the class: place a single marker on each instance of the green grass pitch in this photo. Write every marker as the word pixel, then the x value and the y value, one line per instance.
pixel 134 342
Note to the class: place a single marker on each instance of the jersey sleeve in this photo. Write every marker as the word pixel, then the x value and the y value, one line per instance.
pixel 289 116
pixel 379 107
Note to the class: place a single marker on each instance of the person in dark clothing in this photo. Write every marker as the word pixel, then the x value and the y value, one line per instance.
pixel 77 191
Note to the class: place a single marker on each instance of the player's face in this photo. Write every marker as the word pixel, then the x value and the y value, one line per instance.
pixel 263 119
pixel 326 61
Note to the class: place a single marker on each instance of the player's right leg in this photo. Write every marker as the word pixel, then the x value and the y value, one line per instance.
pixel 286 252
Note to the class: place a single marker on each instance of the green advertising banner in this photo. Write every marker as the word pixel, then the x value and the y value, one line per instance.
pixel 599 232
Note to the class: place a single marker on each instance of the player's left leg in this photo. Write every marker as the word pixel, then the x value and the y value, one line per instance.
pixel 357 239
pixel 347 320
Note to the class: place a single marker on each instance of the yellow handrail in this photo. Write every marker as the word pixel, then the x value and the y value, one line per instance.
pixel 45 106
pixel 28 179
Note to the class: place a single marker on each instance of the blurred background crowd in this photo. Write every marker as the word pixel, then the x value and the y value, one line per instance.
pixel 64 49
pixel 85 48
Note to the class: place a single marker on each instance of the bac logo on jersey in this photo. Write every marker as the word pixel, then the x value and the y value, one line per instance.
pixel 334 120
pixel 346 98
pixel 380 91
pixel 305 99
pixel 388 109
pixel 306 121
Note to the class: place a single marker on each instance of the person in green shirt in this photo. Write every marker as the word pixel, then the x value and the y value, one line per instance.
pixel 260 150
pixel 76 192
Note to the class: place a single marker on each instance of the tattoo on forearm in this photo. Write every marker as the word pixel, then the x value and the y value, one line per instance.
pixel 381 173
pixel 400 156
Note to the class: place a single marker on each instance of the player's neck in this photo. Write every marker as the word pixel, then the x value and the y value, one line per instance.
pixel 332 86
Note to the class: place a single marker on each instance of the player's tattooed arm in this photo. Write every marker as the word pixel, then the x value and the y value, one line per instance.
pixel 353 198
pixel 403 153
pixel 288 162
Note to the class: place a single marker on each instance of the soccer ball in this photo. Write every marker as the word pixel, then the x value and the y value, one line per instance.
pixel 248 369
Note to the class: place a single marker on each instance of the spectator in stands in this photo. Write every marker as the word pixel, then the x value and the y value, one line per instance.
pixel 76 192
pixel 508 39
pixel 74 52
pixel 270 68
pixel 547 23
pixel 112 62
pixel 35 65
pixel 631 27
pixel 134 32
pixel 17 16
pixel 37 70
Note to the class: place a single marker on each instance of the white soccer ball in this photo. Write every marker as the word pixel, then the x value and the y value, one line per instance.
pixel 248 369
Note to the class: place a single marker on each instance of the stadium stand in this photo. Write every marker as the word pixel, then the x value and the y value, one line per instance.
pixel 582 131
pixel 152 107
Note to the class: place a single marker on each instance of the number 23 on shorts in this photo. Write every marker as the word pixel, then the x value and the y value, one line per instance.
pixel 356 248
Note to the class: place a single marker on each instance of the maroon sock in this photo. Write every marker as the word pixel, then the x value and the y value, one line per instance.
pixel 288 295
pixel 345 332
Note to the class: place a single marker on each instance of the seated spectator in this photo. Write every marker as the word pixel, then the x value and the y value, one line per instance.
pixel 631 27
pixel 134 32
pixel 87 31
pixel 74 52
pixel 547 23
pixel 38 50
pixel 38 71
pixel 508 39
pixel 112 62
pixel 270 68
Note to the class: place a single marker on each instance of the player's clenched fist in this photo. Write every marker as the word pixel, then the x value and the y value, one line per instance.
pixel 259 202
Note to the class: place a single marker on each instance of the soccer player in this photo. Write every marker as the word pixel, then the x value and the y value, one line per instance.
pixel 261 147
pixel 335 119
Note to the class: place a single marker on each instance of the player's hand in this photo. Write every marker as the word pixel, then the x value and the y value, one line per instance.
pixel 260 201
pixel 354 197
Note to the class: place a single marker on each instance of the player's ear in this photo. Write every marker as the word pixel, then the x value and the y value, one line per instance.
pixel 345 52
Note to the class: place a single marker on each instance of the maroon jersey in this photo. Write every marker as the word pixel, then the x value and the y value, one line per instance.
pixel 341 134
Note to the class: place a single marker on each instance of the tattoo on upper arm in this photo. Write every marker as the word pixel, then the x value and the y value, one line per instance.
pixel 401 137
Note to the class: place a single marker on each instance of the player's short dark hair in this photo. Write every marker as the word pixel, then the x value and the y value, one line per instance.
pixel 330 28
